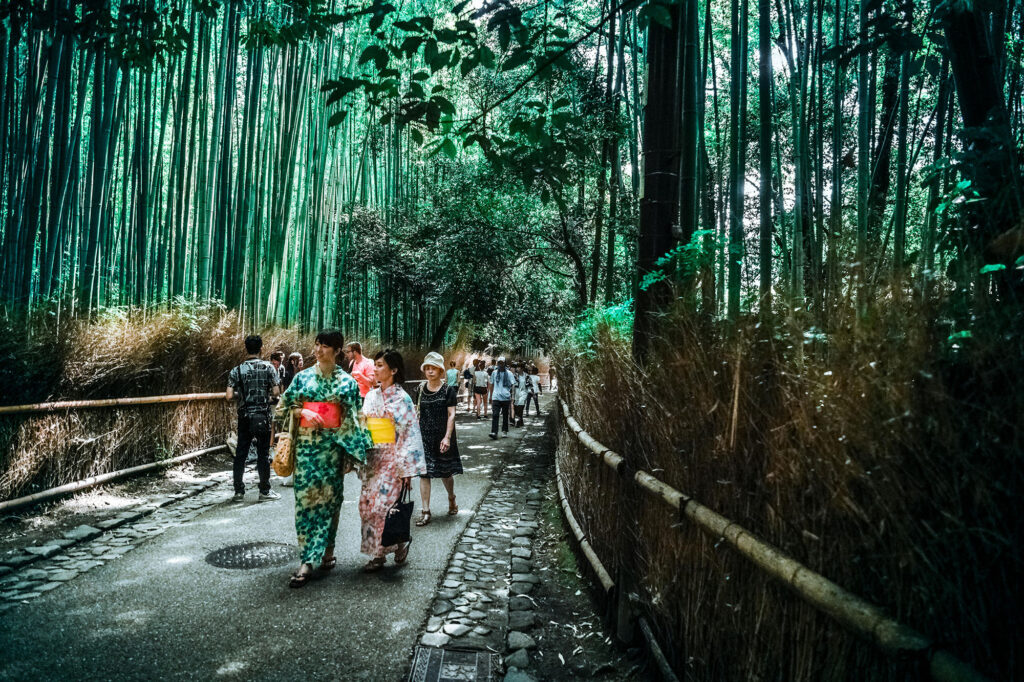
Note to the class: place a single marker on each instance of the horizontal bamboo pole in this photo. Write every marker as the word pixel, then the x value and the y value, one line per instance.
pixel 588 551
pixel 110 402
pixel 850 611
pixel 44 495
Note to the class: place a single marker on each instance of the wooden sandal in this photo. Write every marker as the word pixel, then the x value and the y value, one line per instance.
pixel 300 579
pixel 453 508
pixel 402 553
pixel 424 518
pixel 327 565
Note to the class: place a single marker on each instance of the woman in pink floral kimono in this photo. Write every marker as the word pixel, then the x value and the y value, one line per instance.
pixel 388 466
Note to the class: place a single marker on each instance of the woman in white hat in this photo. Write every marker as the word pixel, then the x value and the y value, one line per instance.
pixel 436 403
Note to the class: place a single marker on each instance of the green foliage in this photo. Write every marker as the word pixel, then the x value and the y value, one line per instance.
pixel 684 260
pixel 595 326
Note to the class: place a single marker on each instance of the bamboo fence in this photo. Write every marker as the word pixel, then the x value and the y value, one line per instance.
pixel 853 613
pixel 109 402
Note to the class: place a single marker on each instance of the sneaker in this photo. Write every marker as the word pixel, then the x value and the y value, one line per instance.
pixel 238 497
pixel 493 436
pixel 504 434
pixel 268 496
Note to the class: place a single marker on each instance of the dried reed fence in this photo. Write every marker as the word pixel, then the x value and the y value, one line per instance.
pixel 188 349
pixel 877 458
pixel 856 615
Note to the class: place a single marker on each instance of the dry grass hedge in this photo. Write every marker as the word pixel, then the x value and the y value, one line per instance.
pixel 884 456
pixel 123 354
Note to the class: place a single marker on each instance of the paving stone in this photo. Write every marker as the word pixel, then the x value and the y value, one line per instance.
pixel 48 586
pixel 520 604
pixel 455 571
pixel 481 630
pixel 437 639
pixel 4 570
pixel 34 574
pixel 44 551
pixel 110 524
pixel 62 575
pixel 10 594
pixel 520 640
pixel 487 569
pixel 82 533
pixel 525 532
pixel 525 578
pixel 30 595
pixel 477 615
pixel 521 542
pixel 452 584
pixel 521 552
pixel 521 620
pixel 520 588
pixel 16 561
pixel 456 630
pixel 470 576
pixel 434 624
pixel 441 606
pixel 520 565
pixel 519 659
pixel 447 594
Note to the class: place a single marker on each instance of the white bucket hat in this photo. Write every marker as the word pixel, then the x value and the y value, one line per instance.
pixel 434 359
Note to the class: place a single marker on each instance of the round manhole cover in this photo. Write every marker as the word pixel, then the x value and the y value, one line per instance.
pixel 252 555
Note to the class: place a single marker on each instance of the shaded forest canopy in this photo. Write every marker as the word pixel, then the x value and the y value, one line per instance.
pixel 397 170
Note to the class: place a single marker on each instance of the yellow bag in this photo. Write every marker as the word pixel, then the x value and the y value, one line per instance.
pixel 284 451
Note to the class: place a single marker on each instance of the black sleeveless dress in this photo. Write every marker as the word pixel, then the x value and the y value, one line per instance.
pixel 433 424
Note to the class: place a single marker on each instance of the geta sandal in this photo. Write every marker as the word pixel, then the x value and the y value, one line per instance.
pixel 402 553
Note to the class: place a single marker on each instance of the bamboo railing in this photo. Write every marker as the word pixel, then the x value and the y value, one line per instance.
pixel 853 613
pixel 109 402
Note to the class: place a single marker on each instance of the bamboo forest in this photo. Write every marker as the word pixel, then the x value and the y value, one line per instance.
pixel 772 252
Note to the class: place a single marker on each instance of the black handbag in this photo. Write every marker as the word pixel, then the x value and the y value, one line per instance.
pixel 396 524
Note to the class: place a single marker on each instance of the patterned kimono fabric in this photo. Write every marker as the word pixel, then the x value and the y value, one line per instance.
pixel 387 464
pixel 319 453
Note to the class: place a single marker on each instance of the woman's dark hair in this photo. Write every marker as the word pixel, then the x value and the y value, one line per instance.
pixel 393 359
pixel 253 344
pixel 332 338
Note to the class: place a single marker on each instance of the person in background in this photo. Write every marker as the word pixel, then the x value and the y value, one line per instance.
pixel 390 466
pixel 519 389
pixel 277 360
pixel 362 369
pixel 552 379
pixel 534 390
pixel 436 401
pixel 501 382
pixel 467 376
pixel 330 440
pixel 292 367
pixel 480 380
pixel 452 375
pixel 255 383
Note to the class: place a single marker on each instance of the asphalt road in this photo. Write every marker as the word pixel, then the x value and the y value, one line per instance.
pixel 162 612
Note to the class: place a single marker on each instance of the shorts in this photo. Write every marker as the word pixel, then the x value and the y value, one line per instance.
pixel 480 391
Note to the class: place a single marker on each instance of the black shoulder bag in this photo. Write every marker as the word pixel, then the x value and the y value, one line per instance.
pixel 396 523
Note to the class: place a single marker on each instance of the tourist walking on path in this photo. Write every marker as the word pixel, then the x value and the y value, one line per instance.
pixel 330 441
pixel 480 380
pixel 534 390
pixel 292 367
pixel 452 375
pixel 436 402
pixel 467 375
pixel 521 388
pixel 362 368
pixel 501 383
pixel 552 379
pixel 390 466
pixel 255 383
pixel 277 360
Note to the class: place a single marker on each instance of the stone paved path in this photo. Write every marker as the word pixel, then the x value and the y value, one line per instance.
pixel 132 596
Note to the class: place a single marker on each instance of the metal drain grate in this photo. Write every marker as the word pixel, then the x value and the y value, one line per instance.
pixel 452 665
pixel 252 555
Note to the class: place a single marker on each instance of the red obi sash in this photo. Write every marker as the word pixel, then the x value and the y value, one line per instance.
pixel 331 413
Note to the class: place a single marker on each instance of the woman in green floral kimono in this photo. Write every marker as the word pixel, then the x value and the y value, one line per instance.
pixel 330 439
